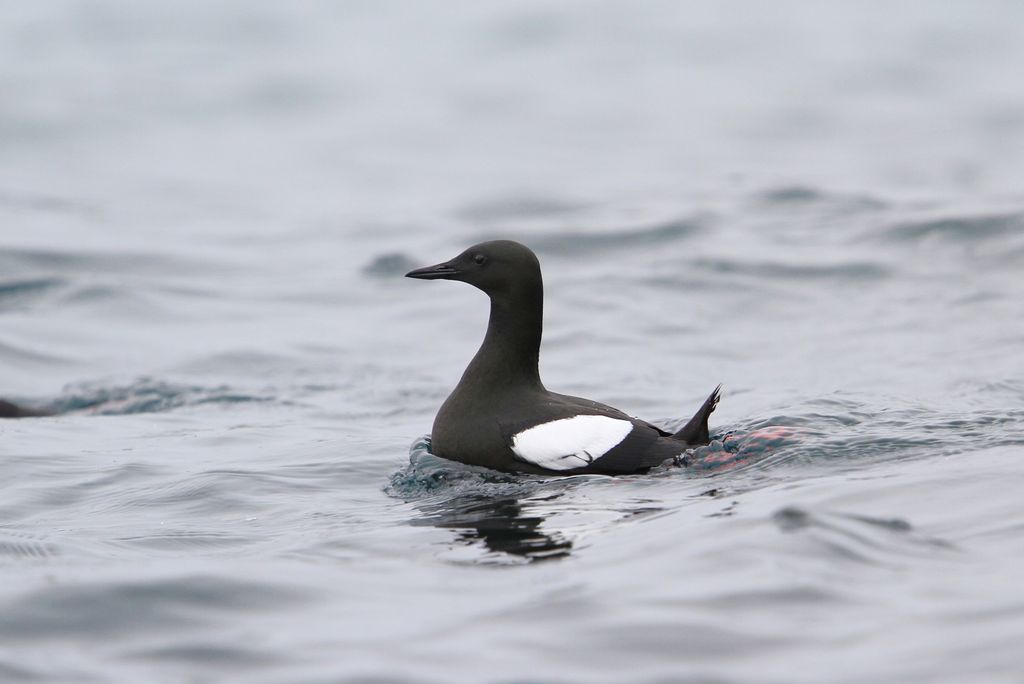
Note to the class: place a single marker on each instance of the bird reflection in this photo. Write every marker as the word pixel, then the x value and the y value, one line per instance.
pixel 497 522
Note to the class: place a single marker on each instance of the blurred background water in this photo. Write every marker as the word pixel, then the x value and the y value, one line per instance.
pixel 205 211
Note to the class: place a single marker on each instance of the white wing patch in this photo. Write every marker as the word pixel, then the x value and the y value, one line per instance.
pixel 570 442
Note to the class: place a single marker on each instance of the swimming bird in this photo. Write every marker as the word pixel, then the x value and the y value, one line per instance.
pixel 501 416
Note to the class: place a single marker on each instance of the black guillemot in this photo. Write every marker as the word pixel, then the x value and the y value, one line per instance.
pixel 501 416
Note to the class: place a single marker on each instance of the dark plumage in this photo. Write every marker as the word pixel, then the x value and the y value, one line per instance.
pixel 501 416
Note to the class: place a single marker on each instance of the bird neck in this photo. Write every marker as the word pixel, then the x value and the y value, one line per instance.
pixel 511 348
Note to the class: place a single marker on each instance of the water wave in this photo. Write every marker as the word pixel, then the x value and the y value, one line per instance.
pixel 119 607
pixel 967 228
pixel 146 395
pixel 860 538
pixel 773 271
pixel 801 196
pixel 23 292
pixel 571 243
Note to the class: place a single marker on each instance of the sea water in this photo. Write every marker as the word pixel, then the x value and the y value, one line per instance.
pixel 205 213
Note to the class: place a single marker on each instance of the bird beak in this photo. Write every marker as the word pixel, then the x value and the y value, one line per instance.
pixel 437 272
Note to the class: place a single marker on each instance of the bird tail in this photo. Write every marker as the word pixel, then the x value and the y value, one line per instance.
pixel 696 432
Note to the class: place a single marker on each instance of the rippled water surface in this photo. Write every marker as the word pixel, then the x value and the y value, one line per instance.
pixel 205 213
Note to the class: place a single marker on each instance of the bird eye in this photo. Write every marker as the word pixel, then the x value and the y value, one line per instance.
pixel 479 259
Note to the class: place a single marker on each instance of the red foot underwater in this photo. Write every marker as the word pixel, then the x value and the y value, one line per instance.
pixel 737 449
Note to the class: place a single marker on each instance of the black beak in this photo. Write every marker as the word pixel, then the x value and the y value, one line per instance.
pixel 437 272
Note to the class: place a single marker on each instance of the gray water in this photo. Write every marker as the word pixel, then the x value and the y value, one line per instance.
pixel 205 212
